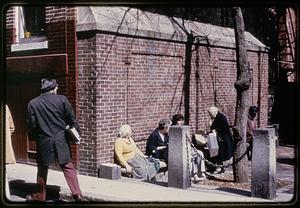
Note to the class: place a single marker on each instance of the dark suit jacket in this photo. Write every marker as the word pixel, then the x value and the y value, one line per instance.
pixel 47 117
pixel 155 141
pixel 225 141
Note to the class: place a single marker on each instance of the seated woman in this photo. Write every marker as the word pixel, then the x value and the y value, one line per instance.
pixel 158 141
pixel 130 157
pixel 197 156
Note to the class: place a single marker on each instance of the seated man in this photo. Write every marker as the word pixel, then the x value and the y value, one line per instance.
pixel 157 143
pixel 197 156
pixel 129 156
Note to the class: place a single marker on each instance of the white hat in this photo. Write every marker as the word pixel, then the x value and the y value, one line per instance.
pixel 125 131
pixel 213 111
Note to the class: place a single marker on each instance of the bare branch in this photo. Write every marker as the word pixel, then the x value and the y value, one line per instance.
pixel 182 27
pixel 118 29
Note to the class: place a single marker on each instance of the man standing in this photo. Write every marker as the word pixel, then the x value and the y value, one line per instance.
pixel 47 117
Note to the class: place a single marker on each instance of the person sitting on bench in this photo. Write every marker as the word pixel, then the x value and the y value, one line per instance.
pixel 158 141
pixel 197 156
pixel 129 156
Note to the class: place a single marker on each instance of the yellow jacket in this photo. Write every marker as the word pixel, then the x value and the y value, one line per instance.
pixel 125 150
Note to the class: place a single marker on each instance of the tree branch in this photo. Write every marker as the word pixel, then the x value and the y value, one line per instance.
pixel 182 27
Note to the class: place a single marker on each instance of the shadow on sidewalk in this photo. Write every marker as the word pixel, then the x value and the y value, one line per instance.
pixel 213 177
pixel 235 191
pixel 20 188
pixel 159 183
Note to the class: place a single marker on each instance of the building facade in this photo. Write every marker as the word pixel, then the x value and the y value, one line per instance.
pixel 121 65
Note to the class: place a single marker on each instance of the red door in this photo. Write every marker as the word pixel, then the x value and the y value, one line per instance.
pixel 18 95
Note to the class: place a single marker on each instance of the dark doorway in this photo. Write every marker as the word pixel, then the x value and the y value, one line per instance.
pixel 18 94
pixel 285 109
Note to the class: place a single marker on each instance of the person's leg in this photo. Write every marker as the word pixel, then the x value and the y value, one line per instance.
pixel 209 167
pixel 195 168
pixel 7 191
pixel 201 163
pixel 163 154
pixel 219 162
pixel 250 150
pixel 71 178
pixel 194 165
pixel 41 182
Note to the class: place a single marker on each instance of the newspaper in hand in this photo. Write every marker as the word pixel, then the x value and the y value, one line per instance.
pixel 200 139
pixel 74 134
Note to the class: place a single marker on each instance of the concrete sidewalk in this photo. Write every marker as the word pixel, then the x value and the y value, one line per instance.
pixel 132 190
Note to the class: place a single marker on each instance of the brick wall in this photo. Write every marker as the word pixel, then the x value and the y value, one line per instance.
pixel 87 105
pixel 139 81
pixel 62 39
pixel 9 26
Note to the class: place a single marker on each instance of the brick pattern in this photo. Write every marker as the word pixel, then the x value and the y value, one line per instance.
pixel 62 39
pixel 139 81
pixel 9 26
pixel 116 80
pixel 60 13
pixel 88 115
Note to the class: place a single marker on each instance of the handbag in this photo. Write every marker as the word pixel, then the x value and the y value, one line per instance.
pixel 212 144
pixel 74 134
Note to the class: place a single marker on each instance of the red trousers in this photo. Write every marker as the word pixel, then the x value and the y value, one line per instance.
pixel 70 176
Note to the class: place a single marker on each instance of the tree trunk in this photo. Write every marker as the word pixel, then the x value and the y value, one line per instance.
pixel 187 77
pixel 242 84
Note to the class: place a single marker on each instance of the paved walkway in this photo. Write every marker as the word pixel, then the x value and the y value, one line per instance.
pixel 22 178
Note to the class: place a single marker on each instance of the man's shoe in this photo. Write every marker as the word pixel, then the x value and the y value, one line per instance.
pixel 219 170
pixel 196 178
pixel 29 198
pixel 32 198
pixel 79 198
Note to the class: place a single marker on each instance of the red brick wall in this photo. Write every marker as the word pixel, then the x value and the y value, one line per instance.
pixel 62 39
pixel 60 13
pixel 9 26
pixel 139 81
pixel 87 105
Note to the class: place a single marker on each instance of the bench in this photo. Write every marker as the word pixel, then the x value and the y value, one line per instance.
pixel 113 171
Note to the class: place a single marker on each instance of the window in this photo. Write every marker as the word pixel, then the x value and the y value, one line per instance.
pixel 34 20
pixel 30 28
pixel 30 22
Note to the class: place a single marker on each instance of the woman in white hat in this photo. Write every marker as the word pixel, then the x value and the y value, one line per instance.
pixel 220 124
pixel 129 156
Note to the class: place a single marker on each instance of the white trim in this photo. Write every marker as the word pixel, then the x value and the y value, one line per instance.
pixel 36 56
pixel 19 23
pixel 29 46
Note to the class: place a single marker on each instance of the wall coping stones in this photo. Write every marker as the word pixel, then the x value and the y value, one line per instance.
pixel 132 21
